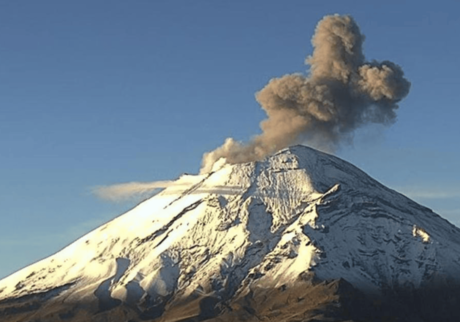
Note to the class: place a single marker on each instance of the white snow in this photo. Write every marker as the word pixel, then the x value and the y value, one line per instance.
pixel 416 231
pixel 260 223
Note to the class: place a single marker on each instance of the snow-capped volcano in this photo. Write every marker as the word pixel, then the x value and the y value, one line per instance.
pixel 193 251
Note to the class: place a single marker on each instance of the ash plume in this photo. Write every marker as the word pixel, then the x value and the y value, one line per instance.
pixel 341 93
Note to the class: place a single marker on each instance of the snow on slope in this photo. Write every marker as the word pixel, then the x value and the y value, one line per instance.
pixel 262 223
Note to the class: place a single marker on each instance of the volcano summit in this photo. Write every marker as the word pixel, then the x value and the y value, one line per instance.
pixel 299 236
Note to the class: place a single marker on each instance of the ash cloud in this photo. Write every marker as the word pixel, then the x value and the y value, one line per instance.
pixel 136 191
pixel 341 93
pixel 130 190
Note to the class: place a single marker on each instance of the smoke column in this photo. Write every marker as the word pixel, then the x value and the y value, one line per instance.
pixel 341 93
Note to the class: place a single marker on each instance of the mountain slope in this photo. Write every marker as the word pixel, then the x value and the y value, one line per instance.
pixel 300 222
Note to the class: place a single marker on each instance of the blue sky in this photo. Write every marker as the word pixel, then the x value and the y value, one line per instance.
pixel 103 92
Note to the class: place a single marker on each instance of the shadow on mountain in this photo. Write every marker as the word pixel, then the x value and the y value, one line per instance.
pixel 307 300
pixel 338 300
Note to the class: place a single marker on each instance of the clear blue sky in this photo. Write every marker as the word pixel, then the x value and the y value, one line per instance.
pixel 103 92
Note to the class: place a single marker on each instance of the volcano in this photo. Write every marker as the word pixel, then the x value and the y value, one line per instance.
pixel 299 236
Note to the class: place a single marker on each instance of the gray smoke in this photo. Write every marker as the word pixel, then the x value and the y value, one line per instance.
pixel 341 93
